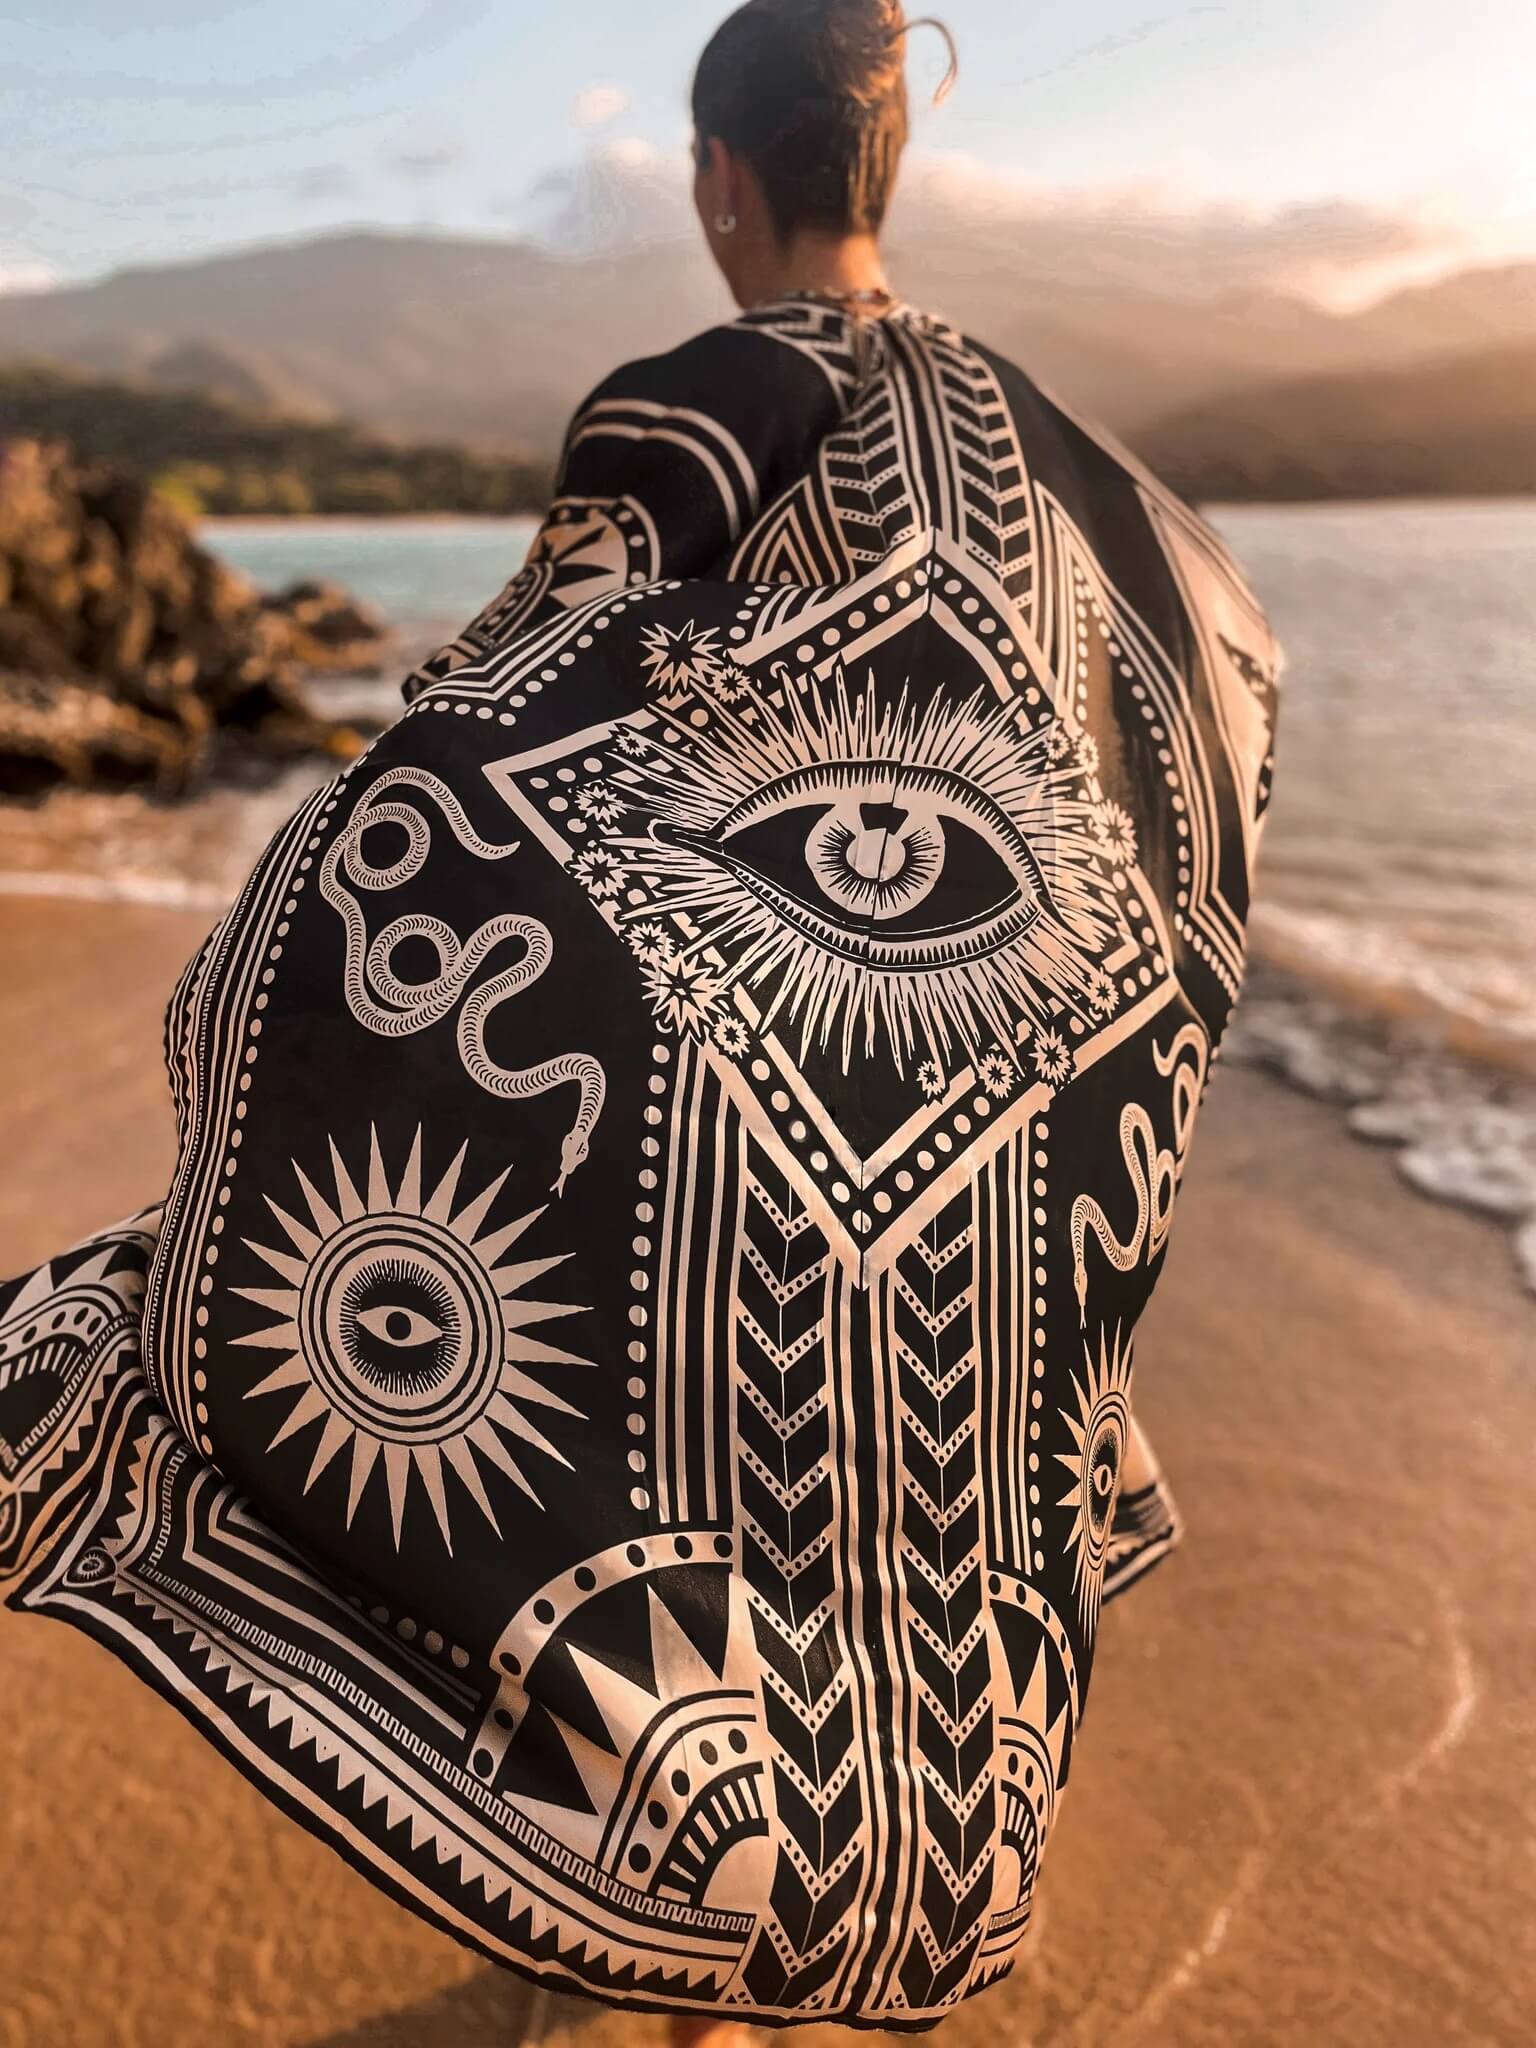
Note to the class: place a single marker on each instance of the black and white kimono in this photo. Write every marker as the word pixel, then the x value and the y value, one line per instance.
pixel 623 1423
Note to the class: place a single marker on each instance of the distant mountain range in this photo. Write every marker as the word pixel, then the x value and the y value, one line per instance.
pixel 492 343
pixel 1463 426
pixel 480 341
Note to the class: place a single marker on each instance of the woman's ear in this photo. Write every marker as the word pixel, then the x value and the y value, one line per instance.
pixel 714 179
pixel 718 195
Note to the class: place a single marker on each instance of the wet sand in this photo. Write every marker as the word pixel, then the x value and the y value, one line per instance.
pixel 1304 1808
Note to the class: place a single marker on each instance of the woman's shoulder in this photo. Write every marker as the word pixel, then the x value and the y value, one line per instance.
pixel 766 353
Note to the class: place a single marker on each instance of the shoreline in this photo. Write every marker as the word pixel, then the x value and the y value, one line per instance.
pixel 1209 507
pixel 1300 1809
pixel 1455 1121
pixel 281 522
pixel 1376 980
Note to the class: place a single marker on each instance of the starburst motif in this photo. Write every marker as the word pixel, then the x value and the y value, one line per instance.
pixel 998 1074
pixel 1100 1429
pixel 731 1036
pixel 1053 1057
pixel 405 1336
pixel 930 1079
pixel 1103 993
pixel 630 742
pixel 1058 743
pixel 650 937
pixel 601 803
pixel 682 658
pixel 601 871
pixel 1088 753
pixel 1115 830
pixel 681 990
pixel 730 681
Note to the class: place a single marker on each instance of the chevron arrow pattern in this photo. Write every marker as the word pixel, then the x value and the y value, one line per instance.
pixel 943 1577
pixel 786 1513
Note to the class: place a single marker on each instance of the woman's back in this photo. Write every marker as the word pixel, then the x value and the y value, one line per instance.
pixel 710 1376
pixel 624 1423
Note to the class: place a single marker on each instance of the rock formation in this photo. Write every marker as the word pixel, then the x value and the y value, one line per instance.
pixel 128 653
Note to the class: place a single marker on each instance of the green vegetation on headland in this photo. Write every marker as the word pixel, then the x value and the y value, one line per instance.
pixel 209 456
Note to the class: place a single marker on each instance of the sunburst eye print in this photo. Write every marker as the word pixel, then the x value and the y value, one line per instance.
pixel 404 1333
pixel 679 1575
pixel 1100 1429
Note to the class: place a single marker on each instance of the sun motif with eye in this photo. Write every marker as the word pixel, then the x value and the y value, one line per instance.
pixel 404 1334
pixel 1100 1430
pixel 922 876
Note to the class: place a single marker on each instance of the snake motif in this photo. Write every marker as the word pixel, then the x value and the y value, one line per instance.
pixel 1154 1172
pixel 393 1008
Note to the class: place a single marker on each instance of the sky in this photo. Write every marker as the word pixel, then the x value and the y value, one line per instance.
pixel 143 131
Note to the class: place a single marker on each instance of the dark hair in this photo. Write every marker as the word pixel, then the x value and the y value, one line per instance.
pixel 813 94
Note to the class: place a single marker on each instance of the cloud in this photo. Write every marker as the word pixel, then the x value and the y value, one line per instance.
pixel 422 164
pixel 323 181
pixel 621 194
pixel 598 105
pixel 1160 240
pixel 957 218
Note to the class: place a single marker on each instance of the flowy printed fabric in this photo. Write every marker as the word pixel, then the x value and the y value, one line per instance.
pixel 624 1421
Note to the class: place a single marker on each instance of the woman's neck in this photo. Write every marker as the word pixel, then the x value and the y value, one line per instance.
pixel 830 266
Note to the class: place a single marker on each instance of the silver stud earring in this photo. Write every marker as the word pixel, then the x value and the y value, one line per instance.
pixel 725 223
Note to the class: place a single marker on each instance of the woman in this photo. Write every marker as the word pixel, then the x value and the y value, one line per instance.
pixel 623 1425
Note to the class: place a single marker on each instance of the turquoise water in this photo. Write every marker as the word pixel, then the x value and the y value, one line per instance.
pixel 426 575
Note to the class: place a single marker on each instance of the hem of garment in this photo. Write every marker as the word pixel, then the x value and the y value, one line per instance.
pixel 317 1820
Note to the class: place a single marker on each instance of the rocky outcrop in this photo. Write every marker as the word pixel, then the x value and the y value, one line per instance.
pixel 329 629
pixel 130 654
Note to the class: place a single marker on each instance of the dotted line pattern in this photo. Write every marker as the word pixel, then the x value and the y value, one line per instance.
pixel 640 1390
pixel 298 881
pixel 1039 1159
pixel 513 688
pixel 1087 602
pixel 991 625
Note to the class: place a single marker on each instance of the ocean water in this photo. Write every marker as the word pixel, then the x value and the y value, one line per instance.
pixel 1395 937
pixel 427 576
pixel 1400 862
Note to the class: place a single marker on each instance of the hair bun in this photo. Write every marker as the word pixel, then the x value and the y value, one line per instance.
pixel 872 36
pixel 865 49
pixel 813 93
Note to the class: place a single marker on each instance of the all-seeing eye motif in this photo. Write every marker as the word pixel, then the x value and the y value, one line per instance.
pixel 899 868
pixel 923 879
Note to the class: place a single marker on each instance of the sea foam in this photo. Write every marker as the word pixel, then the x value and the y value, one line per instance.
pixel 1462 1129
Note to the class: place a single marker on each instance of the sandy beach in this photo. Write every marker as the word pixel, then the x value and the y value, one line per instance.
pixel 1304 1808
